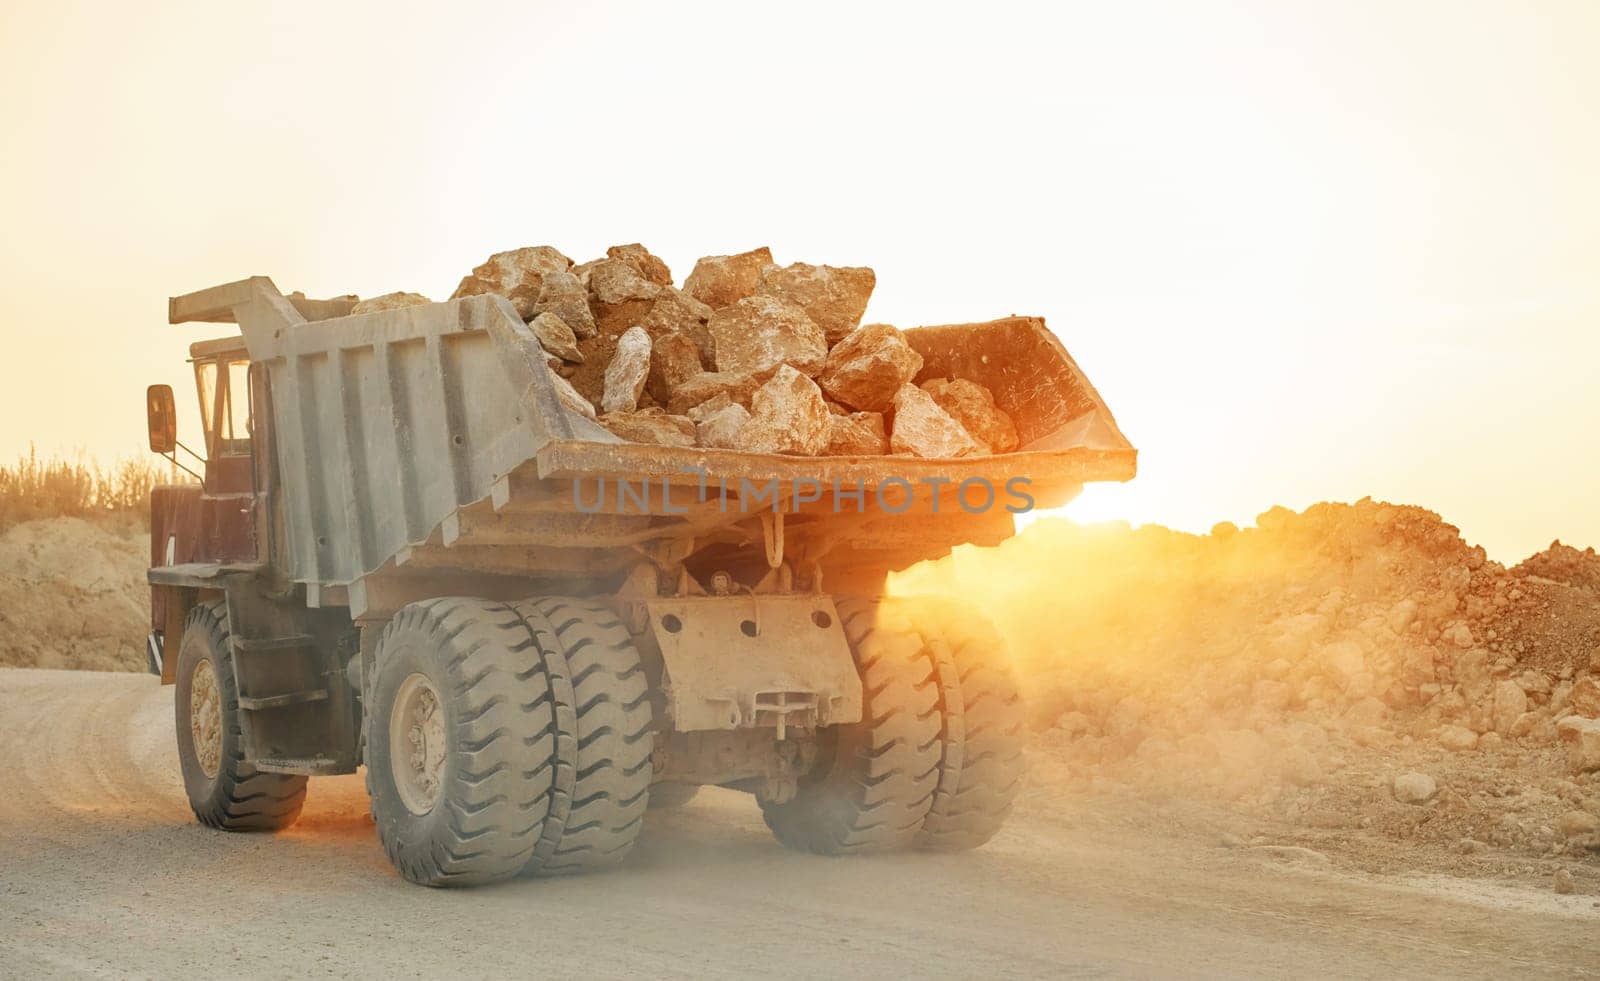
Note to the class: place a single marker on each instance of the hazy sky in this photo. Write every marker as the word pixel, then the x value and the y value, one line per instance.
pixel 1306 251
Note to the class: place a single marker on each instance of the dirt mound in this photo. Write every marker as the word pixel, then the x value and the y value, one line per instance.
pixel 73 595
pixel 1301 666
pixel 1564 564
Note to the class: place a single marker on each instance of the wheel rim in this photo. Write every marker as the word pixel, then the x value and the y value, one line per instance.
pixel 417 744
pixel 205 717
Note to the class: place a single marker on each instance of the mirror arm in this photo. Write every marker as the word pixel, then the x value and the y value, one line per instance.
pixel 173 457
pixel 179 444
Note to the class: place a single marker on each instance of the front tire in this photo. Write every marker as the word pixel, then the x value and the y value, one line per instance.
pixel 224 791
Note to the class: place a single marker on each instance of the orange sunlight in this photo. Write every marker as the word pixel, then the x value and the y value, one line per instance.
pixel 1306 252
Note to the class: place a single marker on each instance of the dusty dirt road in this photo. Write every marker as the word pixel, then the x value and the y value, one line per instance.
pixel 103 872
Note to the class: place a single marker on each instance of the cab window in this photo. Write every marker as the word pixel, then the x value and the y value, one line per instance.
pixel 225 405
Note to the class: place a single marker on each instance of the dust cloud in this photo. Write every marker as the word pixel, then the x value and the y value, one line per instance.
pixel 1355 666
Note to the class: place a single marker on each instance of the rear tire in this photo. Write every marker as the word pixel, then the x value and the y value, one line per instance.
pixel 612 720
pixel 981 736
pixel 874 780
pixel 461 742
pixel 224 791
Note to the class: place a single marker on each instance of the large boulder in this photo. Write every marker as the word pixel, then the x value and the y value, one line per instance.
pixel 833 296
pixel 650 426
pixel 626 374
pixel 856 434
pixel 674 310
pixel 737 386
pixel 1582 736
pixel 556 337
pixel 647 265
pixel 1415 788
pixel 564 295
pixel 389 301
pixel 868 367
pixel 616 281
pixel 787 415
pixel 973 406
pixel 719 280
pixel 516 275
pixel 922 428
pixel 761 332
pixel 674 359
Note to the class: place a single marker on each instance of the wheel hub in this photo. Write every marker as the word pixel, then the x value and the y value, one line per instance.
pixel 205 717
pixel 417 744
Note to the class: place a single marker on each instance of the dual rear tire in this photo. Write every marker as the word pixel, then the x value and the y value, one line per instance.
pixel 936 760
pixel 506 739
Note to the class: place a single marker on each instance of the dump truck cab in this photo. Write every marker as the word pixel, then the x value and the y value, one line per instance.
pixel 212 520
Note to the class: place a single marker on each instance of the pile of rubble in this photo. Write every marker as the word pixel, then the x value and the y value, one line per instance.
pixel 1349 667
pixel 747 355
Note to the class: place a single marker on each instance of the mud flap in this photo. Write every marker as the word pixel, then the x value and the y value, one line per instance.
pixel 739 662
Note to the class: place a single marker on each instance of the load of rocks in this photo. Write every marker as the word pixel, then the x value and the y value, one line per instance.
pixel 747 355
pixel 1312 666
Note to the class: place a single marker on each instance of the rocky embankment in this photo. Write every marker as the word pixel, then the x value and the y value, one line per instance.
pixel 1349 667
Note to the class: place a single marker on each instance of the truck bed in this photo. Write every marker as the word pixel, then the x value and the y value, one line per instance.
pixel 433 435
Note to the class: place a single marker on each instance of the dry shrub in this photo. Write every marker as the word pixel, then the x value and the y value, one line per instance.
pixel 34 487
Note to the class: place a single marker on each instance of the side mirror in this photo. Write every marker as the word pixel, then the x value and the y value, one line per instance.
pixel 163 419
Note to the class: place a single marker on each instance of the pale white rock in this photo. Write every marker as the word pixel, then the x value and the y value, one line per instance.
pixel 787 415
pixel 556 337
pixel 834 297
pixel 564 295
pixel 974 407
pixel 516 275
pixel 626 374
pixel 760 332
pixel 922 428
pixel 1415 788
